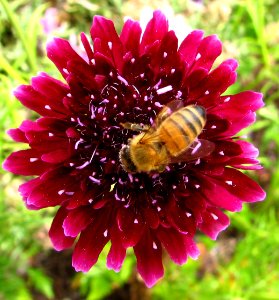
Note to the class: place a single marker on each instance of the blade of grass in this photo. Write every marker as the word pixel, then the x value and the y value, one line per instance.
pixel 31 57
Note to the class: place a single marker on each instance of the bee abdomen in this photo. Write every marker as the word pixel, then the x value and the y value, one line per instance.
pixel 180 129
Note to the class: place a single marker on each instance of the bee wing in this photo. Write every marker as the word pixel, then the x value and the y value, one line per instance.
pixel 167 110
pixel 199 149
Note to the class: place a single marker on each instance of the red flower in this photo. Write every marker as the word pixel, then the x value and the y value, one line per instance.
pixel 75 145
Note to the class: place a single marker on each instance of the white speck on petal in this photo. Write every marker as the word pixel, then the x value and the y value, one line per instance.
pixel 229 182
pixel 198 56
pixel 214 216
pixel 106 233
pixel 65 71
pixel 188 214
pixel 221 153
pixel 60 192
pixel 155 246
pixel 136 221
pixel 213 126
pixel 110 45
pixel 47 107
pixel 227 99
pixel 32 159
pixel 206 92
pixel 165 54
pixel 197 186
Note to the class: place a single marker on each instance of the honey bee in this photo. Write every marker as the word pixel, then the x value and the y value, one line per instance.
pixel 171 139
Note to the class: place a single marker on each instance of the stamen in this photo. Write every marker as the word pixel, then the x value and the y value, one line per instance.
pixel 95 180
pixel 164 90
pixel 122 79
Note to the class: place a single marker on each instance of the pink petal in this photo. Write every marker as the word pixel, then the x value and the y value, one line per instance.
pixel 77 220
pixel 214 221
pixel 91 242
pixel 109 42
pixel 130 37
pixel 117 252
pixel 59 51
pixel 25 162
pixel 149 259
pixel 155 30
pixel 56 232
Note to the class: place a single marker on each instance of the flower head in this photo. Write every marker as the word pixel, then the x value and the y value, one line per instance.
pixel 74 146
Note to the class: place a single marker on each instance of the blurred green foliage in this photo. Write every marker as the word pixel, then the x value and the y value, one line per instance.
pixel 243 263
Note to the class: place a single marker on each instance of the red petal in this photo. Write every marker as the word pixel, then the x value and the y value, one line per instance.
pixel 217 193
pixel 91 242
pixel 216 82
pixel 25 162
pixel 214 221
pixel 151 217
pixel 178 218
pixel 242 186
pixel 117 252
pixel 53 189
pixel 109 43
pixel 131 226
pixel 56 232
pixel 209 49
pixel 52 89
pixel 174 243
pixel 56 156
pixel 149 259
pixel 155 30
pixel 17 135
pixel 84 74
pixel 87 46
pixel 238 110
pixel 59 51
pixel 34 100
pixel 77 220
pixel 189 46
pixel 130 36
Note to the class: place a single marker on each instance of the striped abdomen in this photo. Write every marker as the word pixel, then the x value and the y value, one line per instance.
pixel 179 130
